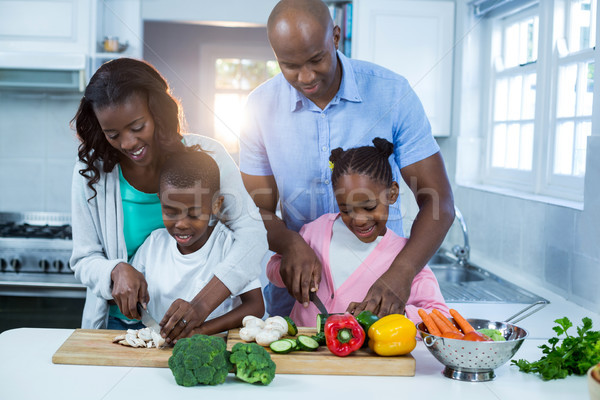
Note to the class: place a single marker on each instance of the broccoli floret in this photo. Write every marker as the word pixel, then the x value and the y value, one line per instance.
pixel 200 359
pixel 252 363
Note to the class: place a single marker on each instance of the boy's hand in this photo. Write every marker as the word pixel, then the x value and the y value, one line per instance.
pixel 300 270
pixel 180 320
pixel 129 288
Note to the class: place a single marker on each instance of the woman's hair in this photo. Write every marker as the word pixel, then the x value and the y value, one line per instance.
pixel 371 161
pixel 191 167
pixel 113 84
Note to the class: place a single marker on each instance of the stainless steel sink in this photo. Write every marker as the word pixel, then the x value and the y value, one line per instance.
pixel 464 282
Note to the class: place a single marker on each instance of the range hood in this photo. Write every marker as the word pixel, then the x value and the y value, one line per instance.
pixel 63 72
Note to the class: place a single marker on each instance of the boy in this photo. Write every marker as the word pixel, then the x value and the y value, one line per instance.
pixel 179 260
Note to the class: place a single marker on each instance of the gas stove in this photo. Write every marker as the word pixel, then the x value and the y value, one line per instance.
pixel 35 248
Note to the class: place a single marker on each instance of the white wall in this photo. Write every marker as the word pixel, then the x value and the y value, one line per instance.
pixel 37 151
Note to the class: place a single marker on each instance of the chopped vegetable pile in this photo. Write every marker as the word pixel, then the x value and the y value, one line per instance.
pixel 575 355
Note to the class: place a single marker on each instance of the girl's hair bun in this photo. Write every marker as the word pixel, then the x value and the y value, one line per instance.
pixel 336 154
pixel 383 146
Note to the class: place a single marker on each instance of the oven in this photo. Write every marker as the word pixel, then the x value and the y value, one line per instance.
pixel 37 286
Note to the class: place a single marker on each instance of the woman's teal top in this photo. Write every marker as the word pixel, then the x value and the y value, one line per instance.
pixel 141 215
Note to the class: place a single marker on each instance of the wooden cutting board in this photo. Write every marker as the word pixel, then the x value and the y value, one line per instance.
pixel 323 362
pixel 95 347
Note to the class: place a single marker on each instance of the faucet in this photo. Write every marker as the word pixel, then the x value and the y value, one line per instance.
pixel 462 253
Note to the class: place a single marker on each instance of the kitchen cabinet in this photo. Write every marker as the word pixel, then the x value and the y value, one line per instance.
pixel 44 26
pixel 414 39
pixel 120 21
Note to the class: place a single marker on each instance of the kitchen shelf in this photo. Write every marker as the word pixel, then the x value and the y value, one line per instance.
pixel 120 19
pixel 341 12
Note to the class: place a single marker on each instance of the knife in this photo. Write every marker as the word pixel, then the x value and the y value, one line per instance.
pixel 317 302
pixel 147 319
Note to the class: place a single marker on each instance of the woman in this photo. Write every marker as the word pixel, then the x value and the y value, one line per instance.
pixel 128 124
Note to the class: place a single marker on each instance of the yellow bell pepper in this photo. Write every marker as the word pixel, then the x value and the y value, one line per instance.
pixel 392 335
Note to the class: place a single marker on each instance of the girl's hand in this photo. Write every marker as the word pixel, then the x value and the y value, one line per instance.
pixel 180 320
pixel 300 270
pixel 129 288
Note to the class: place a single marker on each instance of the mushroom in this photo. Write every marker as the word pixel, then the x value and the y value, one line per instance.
pixel 248 333
pixel 277 321
pixel 118 338
pixel 145 334
pixel 253 322
pixel 267 336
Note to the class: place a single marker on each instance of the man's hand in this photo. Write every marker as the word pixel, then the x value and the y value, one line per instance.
pixel 180 320
pixel 388 295
pixel 300 269
pixel 129 288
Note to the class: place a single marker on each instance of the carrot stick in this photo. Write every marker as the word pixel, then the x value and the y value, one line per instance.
pixel 445 320
pixel 431 326
pixel 445 329
pixel 464 325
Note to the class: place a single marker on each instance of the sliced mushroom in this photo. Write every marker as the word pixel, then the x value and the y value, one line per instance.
pixel 118 338
pixel 145 334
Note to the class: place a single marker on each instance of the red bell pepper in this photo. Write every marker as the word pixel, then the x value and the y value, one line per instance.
pixel 343 334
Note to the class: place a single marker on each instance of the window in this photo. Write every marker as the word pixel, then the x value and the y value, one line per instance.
pixel 228 73
pixel 235 78
pixel 541 97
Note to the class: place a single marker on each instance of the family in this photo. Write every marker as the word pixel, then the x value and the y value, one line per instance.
pixel 167 220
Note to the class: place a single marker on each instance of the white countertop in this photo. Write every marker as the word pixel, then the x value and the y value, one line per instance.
pixel 27 372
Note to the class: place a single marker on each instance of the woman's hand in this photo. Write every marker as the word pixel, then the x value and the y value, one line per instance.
pixel 181 319
pixel 300 270
pixel 128 288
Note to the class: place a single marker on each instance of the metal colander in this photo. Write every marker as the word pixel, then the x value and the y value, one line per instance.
pixel 475 361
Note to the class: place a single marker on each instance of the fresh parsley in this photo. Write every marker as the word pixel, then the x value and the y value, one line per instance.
pixel 575 355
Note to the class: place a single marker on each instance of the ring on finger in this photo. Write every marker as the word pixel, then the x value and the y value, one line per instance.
pixel 183 321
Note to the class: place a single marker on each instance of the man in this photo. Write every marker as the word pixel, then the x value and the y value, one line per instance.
pixel 323 100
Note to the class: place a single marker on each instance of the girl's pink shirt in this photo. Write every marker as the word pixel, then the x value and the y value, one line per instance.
pixel 425 292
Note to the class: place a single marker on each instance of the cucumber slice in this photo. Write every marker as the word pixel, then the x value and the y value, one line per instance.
pixel 307 343
pixel 293 342
pixel 281 346
pixel 292 328
pixel 321 318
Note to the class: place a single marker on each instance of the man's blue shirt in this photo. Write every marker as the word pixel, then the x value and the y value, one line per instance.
pixel 286 135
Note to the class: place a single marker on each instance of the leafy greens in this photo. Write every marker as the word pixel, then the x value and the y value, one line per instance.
pixel 575 355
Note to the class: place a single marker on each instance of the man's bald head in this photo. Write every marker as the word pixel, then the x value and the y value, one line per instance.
pixel 290 14
pixel 305 43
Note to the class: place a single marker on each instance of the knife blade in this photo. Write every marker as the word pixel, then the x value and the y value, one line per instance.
pixel 147 319
pixel 317 302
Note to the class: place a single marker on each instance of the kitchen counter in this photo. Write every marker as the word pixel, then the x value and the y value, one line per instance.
pixel 28 373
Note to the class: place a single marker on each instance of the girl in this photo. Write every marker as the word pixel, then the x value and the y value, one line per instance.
pixel 128 124
pixel 354 246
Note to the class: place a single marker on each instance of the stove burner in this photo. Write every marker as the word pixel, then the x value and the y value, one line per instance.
pixel 13 230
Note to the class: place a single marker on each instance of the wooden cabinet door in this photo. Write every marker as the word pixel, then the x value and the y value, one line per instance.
pixel 414 39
